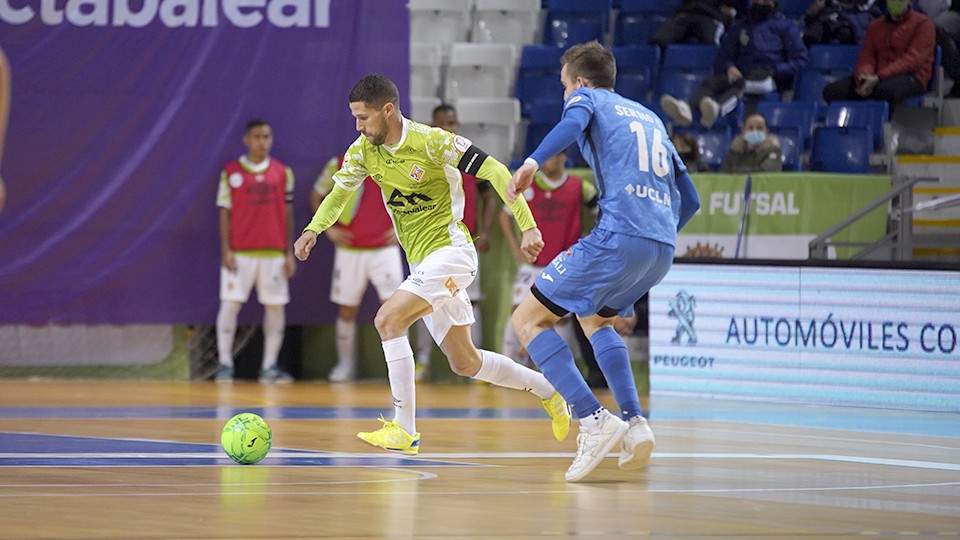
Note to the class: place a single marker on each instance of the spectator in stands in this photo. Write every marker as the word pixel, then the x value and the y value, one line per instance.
pixel 759 54
pixel 841 22
pixel 479 208
pixel 256 247
pixel 4 112
pixel 696 21
pixel 947 24
pixel 896 61
pixel 755 149
pixel 689 149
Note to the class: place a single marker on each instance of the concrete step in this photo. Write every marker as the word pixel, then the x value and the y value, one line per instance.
pixel 946 141
pixel 937 230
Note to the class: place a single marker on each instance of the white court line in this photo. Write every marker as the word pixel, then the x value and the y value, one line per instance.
pixel 488 455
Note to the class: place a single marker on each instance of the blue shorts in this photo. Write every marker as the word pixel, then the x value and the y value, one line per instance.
pixel 604 273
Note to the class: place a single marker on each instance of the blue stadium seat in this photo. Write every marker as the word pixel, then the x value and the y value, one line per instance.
pixel 798 114
pixel 637 20
pixel 636 30
pixel 841 149
pixel 833 57
pixel 636 70
pixel 680 83
pixel 569 22
pixel 538 77
pixel 690 56
pixel 871 114
pixel 714 144
pixel 543 116
pixel 791 144
pixel 809 87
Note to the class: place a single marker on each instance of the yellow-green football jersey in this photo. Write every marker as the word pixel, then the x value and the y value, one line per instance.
pixel 422 188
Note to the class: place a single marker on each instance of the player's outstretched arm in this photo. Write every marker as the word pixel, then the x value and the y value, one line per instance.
pixel 327 214
pixel 531 244
pixel 521 179
pixel 499 177
pixel 304 244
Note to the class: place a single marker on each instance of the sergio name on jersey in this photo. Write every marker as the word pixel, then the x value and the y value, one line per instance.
pixel 421 185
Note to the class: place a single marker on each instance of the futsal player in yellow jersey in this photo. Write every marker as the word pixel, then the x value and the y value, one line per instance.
pixel 418 170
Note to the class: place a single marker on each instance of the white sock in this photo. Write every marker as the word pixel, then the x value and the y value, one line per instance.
pixel 400 370
pixel 227 330
pixel 499 370
pixel 424 344
pixel 274 324
pixel 511 344
pixel 591 422
pixel 346 342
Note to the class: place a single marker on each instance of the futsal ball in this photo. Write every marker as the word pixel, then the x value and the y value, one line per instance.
pixel 246 438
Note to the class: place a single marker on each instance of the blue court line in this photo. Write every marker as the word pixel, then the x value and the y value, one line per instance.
pixel 286 413
pixel 43 450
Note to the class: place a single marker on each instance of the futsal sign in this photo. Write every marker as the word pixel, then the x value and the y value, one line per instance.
pixel 851 336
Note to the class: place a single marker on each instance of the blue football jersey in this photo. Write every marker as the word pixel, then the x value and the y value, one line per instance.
pixel 634 162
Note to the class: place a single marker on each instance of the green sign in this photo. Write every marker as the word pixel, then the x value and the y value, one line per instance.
pixel 787 210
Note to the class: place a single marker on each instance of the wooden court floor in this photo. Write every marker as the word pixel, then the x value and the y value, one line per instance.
pixel 141 460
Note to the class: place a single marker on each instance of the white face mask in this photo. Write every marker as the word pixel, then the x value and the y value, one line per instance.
pixel 754 137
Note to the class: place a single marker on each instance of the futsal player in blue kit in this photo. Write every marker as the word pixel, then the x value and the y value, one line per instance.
pixel 646 196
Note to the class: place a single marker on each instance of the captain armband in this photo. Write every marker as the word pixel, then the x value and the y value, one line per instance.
pixel 471 161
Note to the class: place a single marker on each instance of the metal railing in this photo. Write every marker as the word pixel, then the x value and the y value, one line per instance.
pixel 900 237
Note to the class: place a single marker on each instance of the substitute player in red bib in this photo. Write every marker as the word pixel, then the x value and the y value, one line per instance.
pixel 366 253
pixel 256 240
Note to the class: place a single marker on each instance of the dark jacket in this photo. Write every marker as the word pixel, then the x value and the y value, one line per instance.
pixel 897 47
pixel 774 44
pixel 710 8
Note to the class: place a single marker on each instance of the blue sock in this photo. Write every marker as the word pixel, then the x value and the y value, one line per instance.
pixel 614 362
pixel 553 357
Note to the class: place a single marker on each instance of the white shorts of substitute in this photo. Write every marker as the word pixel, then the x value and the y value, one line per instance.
pixel 526 275
pixel 266 272
pixel 442 280
pixel 353 269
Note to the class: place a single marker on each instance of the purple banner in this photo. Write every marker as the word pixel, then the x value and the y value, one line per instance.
pixel 123 114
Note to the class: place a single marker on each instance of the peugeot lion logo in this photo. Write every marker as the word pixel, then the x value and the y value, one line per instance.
pixel 681 309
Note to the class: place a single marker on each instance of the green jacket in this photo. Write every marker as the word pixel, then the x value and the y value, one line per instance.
pixel 764 157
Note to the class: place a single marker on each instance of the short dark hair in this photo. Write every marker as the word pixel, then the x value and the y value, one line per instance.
pixel 444 107
pixel 255 123
pixel 593 62
pixel 375 90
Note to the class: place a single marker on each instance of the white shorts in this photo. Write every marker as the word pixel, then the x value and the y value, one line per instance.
pixel 266 272
pixel 473 290
pixel 442 280
pixel 353 269
pixel 526 275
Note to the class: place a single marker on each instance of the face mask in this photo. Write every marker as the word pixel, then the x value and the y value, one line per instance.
pixel 895 8
pixel 754 137
pixel 761 12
